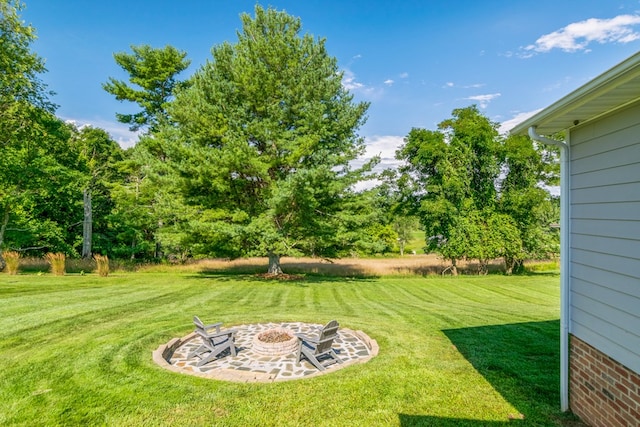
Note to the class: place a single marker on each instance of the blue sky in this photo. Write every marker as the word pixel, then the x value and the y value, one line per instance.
pixel 415 61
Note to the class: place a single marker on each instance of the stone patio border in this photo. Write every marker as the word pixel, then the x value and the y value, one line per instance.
pixel 247 366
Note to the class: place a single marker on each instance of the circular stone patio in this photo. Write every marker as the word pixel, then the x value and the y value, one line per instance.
pixel 252 366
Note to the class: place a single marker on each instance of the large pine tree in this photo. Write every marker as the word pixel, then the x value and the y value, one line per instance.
pixel 266 132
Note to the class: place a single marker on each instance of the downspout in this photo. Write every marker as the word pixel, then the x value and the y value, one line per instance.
pixel 565 264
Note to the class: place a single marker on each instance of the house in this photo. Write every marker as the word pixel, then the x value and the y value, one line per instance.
pixel 600 244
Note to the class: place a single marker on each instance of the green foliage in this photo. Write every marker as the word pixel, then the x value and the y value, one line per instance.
pixel 39 174
pixel 528 166
pixel 40 185
pixel 478 196
pixel 265 134
pixel 98 156
pixel 152 72
pixel 392 198
pixel 21 94
pixel 19 68
pixel 134 219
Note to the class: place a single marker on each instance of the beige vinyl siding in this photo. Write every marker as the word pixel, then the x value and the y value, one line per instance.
pixel 605 235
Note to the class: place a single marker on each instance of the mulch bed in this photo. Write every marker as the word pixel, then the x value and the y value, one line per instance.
pixel 281 276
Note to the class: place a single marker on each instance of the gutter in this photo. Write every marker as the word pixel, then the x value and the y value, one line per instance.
pixel 565 265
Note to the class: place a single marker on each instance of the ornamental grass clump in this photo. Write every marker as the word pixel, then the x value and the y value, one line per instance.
pixel 102 262
pixel 12 259
pixel 56 261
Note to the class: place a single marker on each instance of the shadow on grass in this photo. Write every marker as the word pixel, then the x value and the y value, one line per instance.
pixel 316 269
pixel 365 269
pixel 522 363
pixel 423 420
pixel 303 281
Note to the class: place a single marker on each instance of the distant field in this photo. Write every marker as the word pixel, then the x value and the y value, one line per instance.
pixel 466 351
pixel 407 265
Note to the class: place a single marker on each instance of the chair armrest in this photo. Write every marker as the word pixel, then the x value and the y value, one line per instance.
pixel 226 332
pixel 213 325
pixel 307 338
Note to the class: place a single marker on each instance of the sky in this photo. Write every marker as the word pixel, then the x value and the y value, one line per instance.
pixel 414 61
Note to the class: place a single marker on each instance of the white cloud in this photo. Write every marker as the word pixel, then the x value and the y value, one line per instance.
pixel 578 35
pixel 404 75
pixel 349 81
pixel 118 131
pixel 389 82
pixel 507 125
pixel 471 86
pixel 483 100
pixel 384 146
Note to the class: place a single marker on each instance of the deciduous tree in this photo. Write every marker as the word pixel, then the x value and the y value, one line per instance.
pixel 528 168
pixel 25 113
pixel 98 156
pixel 477 196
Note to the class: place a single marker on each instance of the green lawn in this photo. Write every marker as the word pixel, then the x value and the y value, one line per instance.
pixel 465 351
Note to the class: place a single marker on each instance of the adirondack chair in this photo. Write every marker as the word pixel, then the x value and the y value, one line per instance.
pixel 213 342
pixel 318 350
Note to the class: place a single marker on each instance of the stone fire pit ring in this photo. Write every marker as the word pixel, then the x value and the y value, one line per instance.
pixel 275 342
pixel 260 361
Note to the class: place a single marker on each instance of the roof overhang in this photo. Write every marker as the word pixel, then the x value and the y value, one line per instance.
pixel 612 90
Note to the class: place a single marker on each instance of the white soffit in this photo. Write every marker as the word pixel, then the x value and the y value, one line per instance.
pixel 615 88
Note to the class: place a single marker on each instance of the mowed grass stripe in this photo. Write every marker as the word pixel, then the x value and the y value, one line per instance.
pixel 95 366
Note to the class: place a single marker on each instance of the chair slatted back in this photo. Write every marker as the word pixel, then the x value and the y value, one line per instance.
pixel 327 335
pixel 198 323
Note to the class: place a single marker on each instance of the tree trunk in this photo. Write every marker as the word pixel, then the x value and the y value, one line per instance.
pixel 157 252
pixel 274 264
pixel 87 225
pixel 509 262
pixel 483 267
pixel 518 266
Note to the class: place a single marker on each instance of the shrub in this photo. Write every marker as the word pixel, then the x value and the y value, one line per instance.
pixel 56 261
pixel 12 259
pixel 102 262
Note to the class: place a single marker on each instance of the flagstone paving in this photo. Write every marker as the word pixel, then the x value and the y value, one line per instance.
pixel 250 365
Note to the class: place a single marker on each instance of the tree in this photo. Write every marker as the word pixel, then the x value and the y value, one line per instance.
pixel 453 173
pixel 393 197
pixel 477 195
pixel 98 155
pixel 135 217
pixel 24 108
pixel 152 73
pixel 266 134
pixel 43 187
pixel 527 168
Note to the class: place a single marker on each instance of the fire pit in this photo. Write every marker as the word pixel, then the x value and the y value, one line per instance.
pixel 275 342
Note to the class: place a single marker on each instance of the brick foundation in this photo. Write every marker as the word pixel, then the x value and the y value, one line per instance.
pixel 603 393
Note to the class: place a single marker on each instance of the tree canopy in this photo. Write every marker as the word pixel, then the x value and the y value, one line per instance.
pixel 265 134
pixel 477 196
pixel 152 73
pixel 27 128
